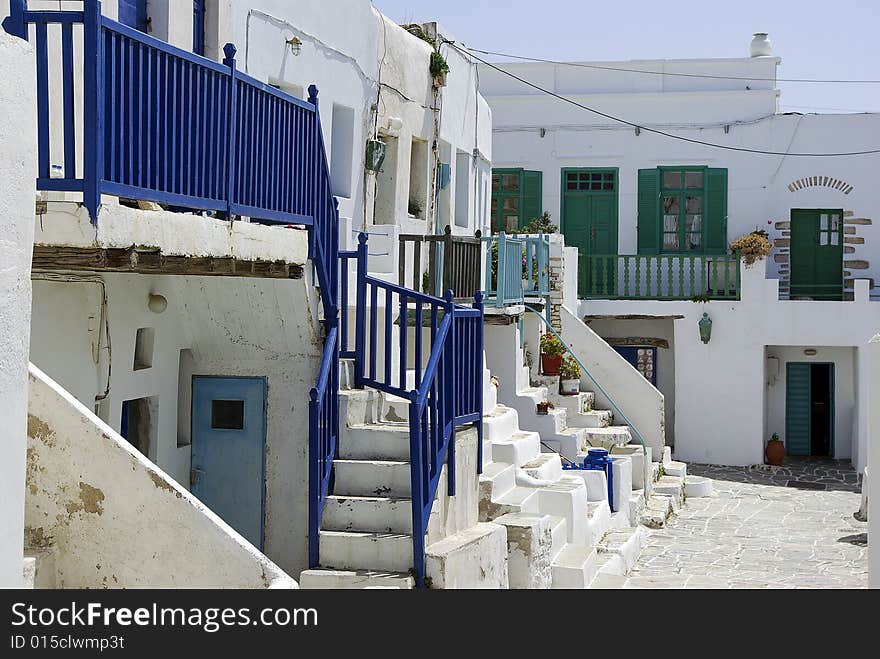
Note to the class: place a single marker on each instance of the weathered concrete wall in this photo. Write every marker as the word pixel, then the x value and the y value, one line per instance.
pixel 230 327
pixel 18 137
pixel 116 520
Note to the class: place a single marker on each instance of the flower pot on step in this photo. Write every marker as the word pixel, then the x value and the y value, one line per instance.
pixel 550 365
pixel 569 387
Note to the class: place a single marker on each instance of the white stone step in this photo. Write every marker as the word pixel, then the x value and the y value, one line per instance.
pixel 673 468
pixel 575 567
pixel 637 505
pixel 567 498
pixel 500 423
pixel 516 500
pixel 529 550
pixel 358 406
pixel 559 533
pixel 607 438
pixel 388 442
pixel 497 478
pixel 547 466
pixel 598 521
pixel 517 449
pixel 698 486
pixel 658 509
pixel 372 478
pixel 671 486
pixel 641 465
pixel 353 580
pixel 624 547
pixel 393 408
pixel 591 419
pixel 367 514
pixel 473 558
pixel 352 550
pixel 537 394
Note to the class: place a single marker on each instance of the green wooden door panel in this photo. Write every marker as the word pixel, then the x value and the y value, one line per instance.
pixel 817 253
pixel 589 222
pixel 798 409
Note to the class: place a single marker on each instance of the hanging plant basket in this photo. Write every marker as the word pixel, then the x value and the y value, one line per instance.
pixel 375 155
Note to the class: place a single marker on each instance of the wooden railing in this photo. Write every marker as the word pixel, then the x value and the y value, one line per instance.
pixel 453 264
pixel 659 277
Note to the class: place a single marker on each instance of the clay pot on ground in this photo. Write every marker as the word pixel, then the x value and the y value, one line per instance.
pixel 775 452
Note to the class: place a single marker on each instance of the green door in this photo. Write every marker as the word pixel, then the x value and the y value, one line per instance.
pixel 817 254
pixel 798 407
pixel 589 222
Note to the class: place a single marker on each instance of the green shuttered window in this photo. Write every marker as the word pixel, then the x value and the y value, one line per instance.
pixel 682 210
pixel 516 198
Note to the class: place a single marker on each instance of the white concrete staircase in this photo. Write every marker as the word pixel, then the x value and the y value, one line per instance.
pixel 366 531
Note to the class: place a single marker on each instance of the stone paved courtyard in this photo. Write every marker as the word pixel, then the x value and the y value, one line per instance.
pixel 762 528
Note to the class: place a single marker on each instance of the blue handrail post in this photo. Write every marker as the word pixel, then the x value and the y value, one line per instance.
pixel 93 108
pixel 478 304
pixel 316 177
pixel 229 51
pixel 417 484
pixel 500 288
pixel 360 321
pixel 450 389
pixel 14 24
pixel 314 478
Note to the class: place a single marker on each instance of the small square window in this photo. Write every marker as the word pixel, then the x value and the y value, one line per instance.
pixel 227 414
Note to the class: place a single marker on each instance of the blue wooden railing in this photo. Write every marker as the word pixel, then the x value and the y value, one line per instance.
pixel 162 124
pixel 517 267
pixel 440 374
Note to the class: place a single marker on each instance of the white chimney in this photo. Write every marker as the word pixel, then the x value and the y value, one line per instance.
pixel 761 46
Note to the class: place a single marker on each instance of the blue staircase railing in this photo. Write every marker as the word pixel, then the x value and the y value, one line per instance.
pixel 162 124
pixel 439 370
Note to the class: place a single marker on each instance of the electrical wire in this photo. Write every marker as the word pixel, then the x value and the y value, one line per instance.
pixel 660 132
pixel 669 73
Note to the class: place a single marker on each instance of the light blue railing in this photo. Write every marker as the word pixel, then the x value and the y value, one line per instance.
pixel 517 268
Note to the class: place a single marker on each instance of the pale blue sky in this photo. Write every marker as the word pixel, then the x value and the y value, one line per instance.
pixel 828 39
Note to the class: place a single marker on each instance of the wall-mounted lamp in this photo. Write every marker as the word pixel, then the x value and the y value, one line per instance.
pixel 705 328
pixel 811 352
pixel 157 303
pixel 295 44
pixel 542 132
pixel 638 131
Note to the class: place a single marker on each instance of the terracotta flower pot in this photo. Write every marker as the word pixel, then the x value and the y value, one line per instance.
pixel 550 365
pixel 775 452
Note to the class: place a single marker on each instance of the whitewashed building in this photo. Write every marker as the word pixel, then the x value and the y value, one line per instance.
pixel 653 217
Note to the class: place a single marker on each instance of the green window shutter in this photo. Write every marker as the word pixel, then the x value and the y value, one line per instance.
pixel 649 211
pixel 716 211
pixel 531 206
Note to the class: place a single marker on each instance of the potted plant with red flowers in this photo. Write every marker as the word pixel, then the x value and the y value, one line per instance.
pixel 552 350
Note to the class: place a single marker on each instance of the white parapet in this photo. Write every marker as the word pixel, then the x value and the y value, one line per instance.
pixel 114 519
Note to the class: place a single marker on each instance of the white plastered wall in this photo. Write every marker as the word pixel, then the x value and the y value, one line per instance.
pixel 17 193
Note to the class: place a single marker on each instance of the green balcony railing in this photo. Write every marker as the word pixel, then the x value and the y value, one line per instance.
pixel 658 277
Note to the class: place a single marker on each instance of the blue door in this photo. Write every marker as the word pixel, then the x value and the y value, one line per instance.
pixel 199 27
pixel 228 450
pixel 643 359
pixel 134 14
